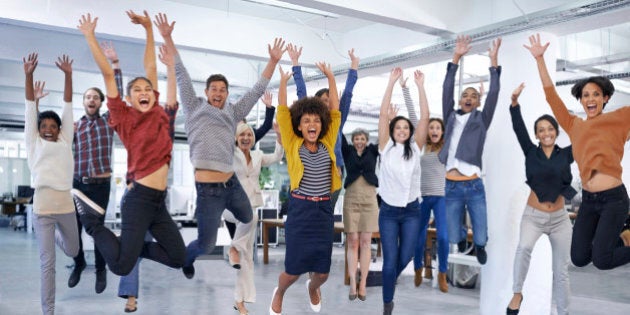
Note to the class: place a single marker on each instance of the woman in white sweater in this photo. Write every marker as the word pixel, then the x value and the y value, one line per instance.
pixel 49 154
pixel 247 166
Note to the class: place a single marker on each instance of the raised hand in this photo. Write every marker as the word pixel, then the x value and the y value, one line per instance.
pixel 536 48
pixel 402 81
pixel 462 45
pixel 166 56
pixel 161 22
pixel 325 68
pixel 87 25
pixel 392 111
pixel 354 60
pixel 395 74
pixel 275 52
pixel 493 51
pixel 109 51
pixel 418 77
pixel 285 76
pixel 64 63
pixel 39 90
pixel 266 99
pixel 517 93
pixel 294 53
pixel 30 63
pixel 145 20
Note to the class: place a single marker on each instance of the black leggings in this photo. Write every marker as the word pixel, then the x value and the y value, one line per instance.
pixel 597 227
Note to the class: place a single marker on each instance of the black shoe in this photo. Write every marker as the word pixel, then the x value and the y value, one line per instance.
pixel 461 246
pixel 482 257
pixel 189 271
pixel 510 311
pixel 101 281
pixel 388 308
pixel 75 276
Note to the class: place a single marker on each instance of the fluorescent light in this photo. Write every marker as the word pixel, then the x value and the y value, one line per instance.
pixel 294 7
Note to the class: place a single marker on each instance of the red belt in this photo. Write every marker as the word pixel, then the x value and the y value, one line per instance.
pixel 310 198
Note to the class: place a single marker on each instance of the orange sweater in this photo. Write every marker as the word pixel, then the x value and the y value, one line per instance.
pixel 598 142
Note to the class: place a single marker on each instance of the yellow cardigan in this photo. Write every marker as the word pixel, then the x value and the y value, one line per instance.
pixel 292 143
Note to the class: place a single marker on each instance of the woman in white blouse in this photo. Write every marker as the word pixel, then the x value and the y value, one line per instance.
pixel 247 166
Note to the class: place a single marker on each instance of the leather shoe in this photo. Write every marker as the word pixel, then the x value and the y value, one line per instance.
pixel 75 276
pixel 442 283
pixel 189 271
pixel 482 256
pixel 388 308
pixel 510 311
pixel 101 281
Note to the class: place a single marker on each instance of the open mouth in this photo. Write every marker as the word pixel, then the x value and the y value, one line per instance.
pixel 312 132
pixel 435 137
pixel 591 108
pixel 48 136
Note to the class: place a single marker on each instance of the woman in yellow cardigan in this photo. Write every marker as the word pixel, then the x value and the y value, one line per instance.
pixel 309 131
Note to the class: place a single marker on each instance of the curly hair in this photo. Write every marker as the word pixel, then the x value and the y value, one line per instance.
pixel 48 114
pixel 309 105
pixel 608 89
pixel 436 146
pixel 392 124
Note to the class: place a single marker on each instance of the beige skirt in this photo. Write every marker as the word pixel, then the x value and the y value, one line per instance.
pixel 360 208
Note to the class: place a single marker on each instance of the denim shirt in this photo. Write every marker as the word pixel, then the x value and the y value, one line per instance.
pixel 470 147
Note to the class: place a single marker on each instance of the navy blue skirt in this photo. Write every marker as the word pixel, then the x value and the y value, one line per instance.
pixel 309 236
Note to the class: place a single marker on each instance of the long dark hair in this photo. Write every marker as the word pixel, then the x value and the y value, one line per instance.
pixel 408 153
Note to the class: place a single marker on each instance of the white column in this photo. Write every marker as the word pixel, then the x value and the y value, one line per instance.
pixel 506 191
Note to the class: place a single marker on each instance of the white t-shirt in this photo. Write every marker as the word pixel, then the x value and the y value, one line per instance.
pixel 451 162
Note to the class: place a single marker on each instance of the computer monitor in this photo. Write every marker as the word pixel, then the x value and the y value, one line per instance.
pixel 24 191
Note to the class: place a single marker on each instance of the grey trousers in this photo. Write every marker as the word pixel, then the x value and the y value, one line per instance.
pixel 558 227
pixel 50 229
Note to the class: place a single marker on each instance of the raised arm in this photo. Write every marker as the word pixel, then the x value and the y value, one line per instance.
pixel 495 84
pixel 388 111
pixel 517 121
pixel 462 46
pixel 351 80
pixel 39 92
pixel 408 102
pixel 112 56
pixel 269 113
pixel 30 110
pixel 167 57
pixel 537 49
pixel 64 63
pixel 87 25
pixel 422 127
pixel 333 95
pixel 284 115
pixel 30 64
pixel 150 66
pixel 295 53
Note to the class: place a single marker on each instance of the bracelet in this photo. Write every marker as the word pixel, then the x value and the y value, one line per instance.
pixel 115 61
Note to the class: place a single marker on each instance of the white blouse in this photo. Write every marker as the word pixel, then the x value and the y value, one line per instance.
pixel 399 179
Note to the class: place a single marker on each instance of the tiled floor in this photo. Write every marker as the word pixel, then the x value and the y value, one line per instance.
pixel 166 291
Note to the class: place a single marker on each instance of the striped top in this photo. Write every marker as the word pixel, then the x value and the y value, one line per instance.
pixel 433 174
pixel 315 164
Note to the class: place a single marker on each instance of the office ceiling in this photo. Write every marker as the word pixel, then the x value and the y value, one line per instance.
pixel 230 37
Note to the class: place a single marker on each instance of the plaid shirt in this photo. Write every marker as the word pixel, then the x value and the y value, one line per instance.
pixel 93 142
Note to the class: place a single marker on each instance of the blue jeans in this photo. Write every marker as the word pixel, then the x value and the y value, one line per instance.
pixel 399 227
pixel 438 205
pixel 128 285
pixel 211 201
pixel 462 195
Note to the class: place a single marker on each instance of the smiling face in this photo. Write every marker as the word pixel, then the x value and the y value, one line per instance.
pixel 92 102
pixel 401 131
pixel 49 129
pixel 546 133
pixel 435 131
pixel 217 93
pixel 311 127
pixel 359 141
pixel 245 140
pixel 469 100
pixel 593 99
pixel 141 96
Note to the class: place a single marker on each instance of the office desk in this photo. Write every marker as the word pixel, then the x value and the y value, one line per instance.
pixel 10 207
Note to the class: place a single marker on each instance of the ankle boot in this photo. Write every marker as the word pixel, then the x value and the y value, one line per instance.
pixel 417 280
pixel 442 284
pixel 388 308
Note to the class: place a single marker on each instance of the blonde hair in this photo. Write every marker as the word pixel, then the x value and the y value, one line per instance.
pixel 242 127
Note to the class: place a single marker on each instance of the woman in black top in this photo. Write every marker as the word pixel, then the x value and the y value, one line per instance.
pixel 360 208
pixel 548 172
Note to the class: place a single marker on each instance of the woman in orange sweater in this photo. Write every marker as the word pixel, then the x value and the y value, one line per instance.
pixel 598 144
